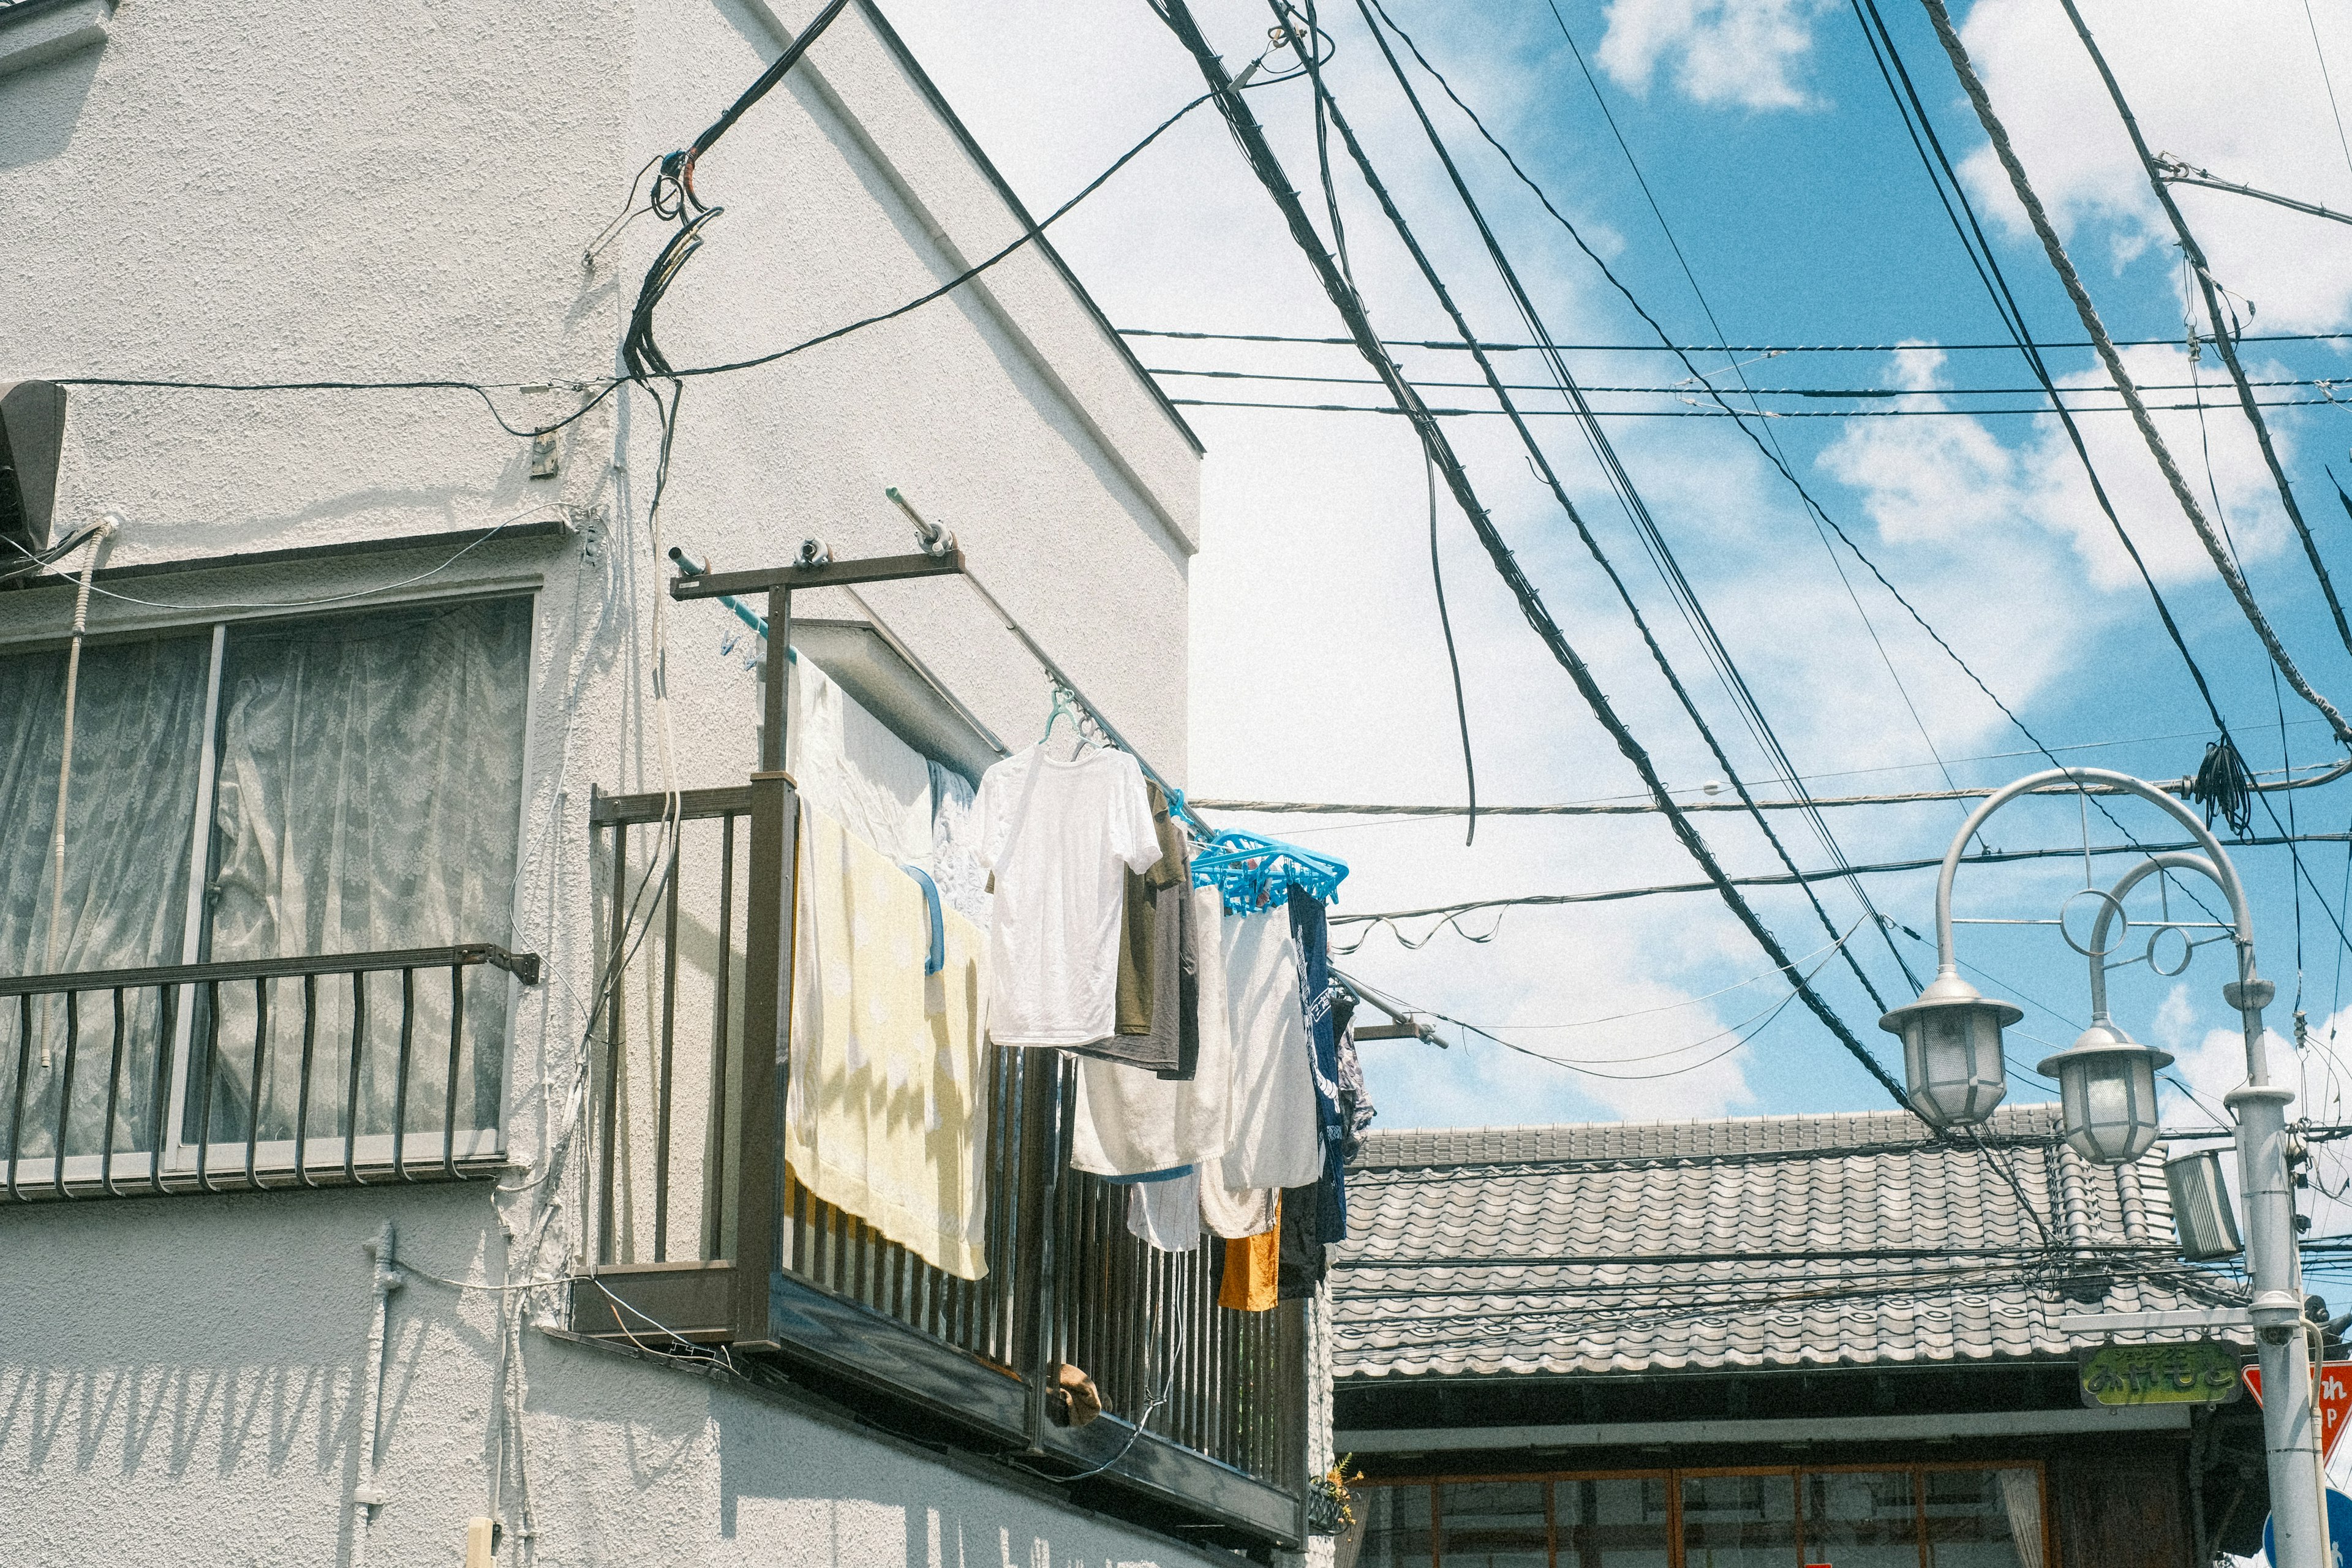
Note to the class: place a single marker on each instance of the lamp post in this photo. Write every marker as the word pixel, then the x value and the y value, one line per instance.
pixel 1952 1039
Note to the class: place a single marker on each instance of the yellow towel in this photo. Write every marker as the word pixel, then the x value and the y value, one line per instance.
pixel 887 1112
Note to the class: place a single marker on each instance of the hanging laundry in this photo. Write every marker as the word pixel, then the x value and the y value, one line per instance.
pixel 1277 1139
pixel 1251 1276
pixel 1301 1259
pixel 848 764
pixel 1057 835
pixel 1237 1215
pixel 1316 994
pixel 886 1111
pixel 1356 1109
pixel 1166 1214
pixel 1129 1120
pixel 956 865
pixel 1150 953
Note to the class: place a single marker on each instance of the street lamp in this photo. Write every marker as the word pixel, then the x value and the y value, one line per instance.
pixel 2107 1090
pixel 1951 1051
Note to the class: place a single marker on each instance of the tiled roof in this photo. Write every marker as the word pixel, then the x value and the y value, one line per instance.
pixel 1773 1241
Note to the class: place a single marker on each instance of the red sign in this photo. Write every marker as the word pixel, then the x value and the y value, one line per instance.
pixel 2335 1399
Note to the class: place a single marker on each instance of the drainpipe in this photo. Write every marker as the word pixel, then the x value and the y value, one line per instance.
pixel 106 526
pixel 367 1496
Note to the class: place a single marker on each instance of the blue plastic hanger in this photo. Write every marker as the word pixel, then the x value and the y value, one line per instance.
pixel 1253 872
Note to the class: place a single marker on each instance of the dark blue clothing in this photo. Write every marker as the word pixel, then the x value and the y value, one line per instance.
pixel 1308 926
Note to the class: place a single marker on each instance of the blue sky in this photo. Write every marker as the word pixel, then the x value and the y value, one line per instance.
pixel 1776 154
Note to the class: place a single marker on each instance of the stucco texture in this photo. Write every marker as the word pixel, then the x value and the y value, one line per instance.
pixel 402 190
pixel 191 1394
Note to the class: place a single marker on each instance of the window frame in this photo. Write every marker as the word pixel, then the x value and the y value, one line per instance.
pixel 178 1154
pixel 1673 1477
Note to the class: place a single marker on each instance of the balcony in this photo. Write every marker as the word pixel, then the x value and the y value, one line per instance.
pixel 699 1237
pixel 341 1069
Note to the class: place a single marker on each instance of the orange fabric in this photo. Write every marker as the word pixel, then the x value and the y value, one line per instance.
pixel 1250 1267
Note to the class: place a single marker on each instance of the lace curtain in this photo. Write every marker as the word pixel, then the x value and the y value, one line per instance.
pixel 2020 1498
pixel 370 778
pixel 130 810
pixel 138 716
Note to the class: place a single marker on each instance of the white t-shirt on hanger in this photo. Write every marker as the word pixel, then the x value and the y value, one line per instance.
pixel 1059 836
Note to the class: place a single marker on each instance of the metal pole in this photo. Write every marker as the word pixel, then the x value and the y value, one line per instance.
pixel 2290 1433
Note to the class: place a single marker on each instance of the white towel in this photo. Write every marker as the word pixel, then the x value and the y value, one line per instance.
pixel 1166 1214
pixel 1275 1141
pixel 848 764
pixel 1236 1215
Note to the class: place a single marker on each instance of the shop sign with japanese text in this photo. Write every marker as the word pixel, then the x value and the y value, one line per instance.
pixel 2199 1373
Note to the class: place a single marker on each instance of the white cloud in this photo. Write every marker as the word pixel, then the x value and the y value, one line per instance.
pixel 1948 479
pixel 2247 101
pixel 1750 54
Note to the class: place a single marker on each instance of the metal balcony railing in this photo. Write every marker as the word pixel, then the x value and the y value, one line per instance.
pixel 701 1235
pixel 333 1069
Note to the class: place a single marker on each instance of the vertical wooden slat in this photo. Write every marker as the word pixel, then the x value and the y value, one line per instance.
pixel 715 1164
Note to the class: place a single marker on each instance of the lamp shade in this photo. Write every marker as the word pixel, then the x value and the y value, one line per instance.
pixel 1951 1051
pixel 2106 1085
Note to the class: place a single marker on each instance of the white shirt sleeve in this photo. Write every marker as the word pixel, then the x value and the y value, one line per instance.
pixel 989 805
pixel 1133 838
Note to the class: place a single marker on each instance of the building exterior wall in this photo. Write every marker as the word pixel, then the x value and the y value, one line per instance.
pixel 404 190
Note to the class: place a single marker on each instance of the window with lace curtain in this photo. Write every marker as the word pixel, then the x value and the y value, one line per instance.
pixel 342 785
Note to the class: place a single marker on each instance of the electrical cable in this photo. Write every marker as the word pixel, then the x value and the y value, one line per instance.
pixel 1679 586
pixel 2195 256
pixel 1921 345
pixel 1680 389
pixel 1754 1024
pixel 758 90
pixel 1767 450
pixel 1260 156
pixel 606 387
pixel 1693 411
pixel 1452 659
pixel 463 551
pixel 1999 135
pixel 1781 878
pixel 1685 596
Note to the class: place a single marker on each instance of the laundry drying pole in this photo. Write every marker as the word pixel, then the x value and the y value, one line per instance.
pixel 775 827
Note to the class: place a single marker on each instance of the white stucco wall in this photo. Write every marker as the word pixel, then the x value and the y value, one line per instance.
pixel 204 1406
pixel 402 189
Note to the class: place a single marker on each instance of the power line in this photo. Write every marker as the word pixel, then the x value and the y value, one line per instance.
pixel 1679 586
pixel 1629 808
pixel 1698 413
pixel 1683 388
pixel 1999 135
pixel 1770 450
pixel 2213 314
pixel 1496 346
pixel 1782 879
pixel 1250 138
